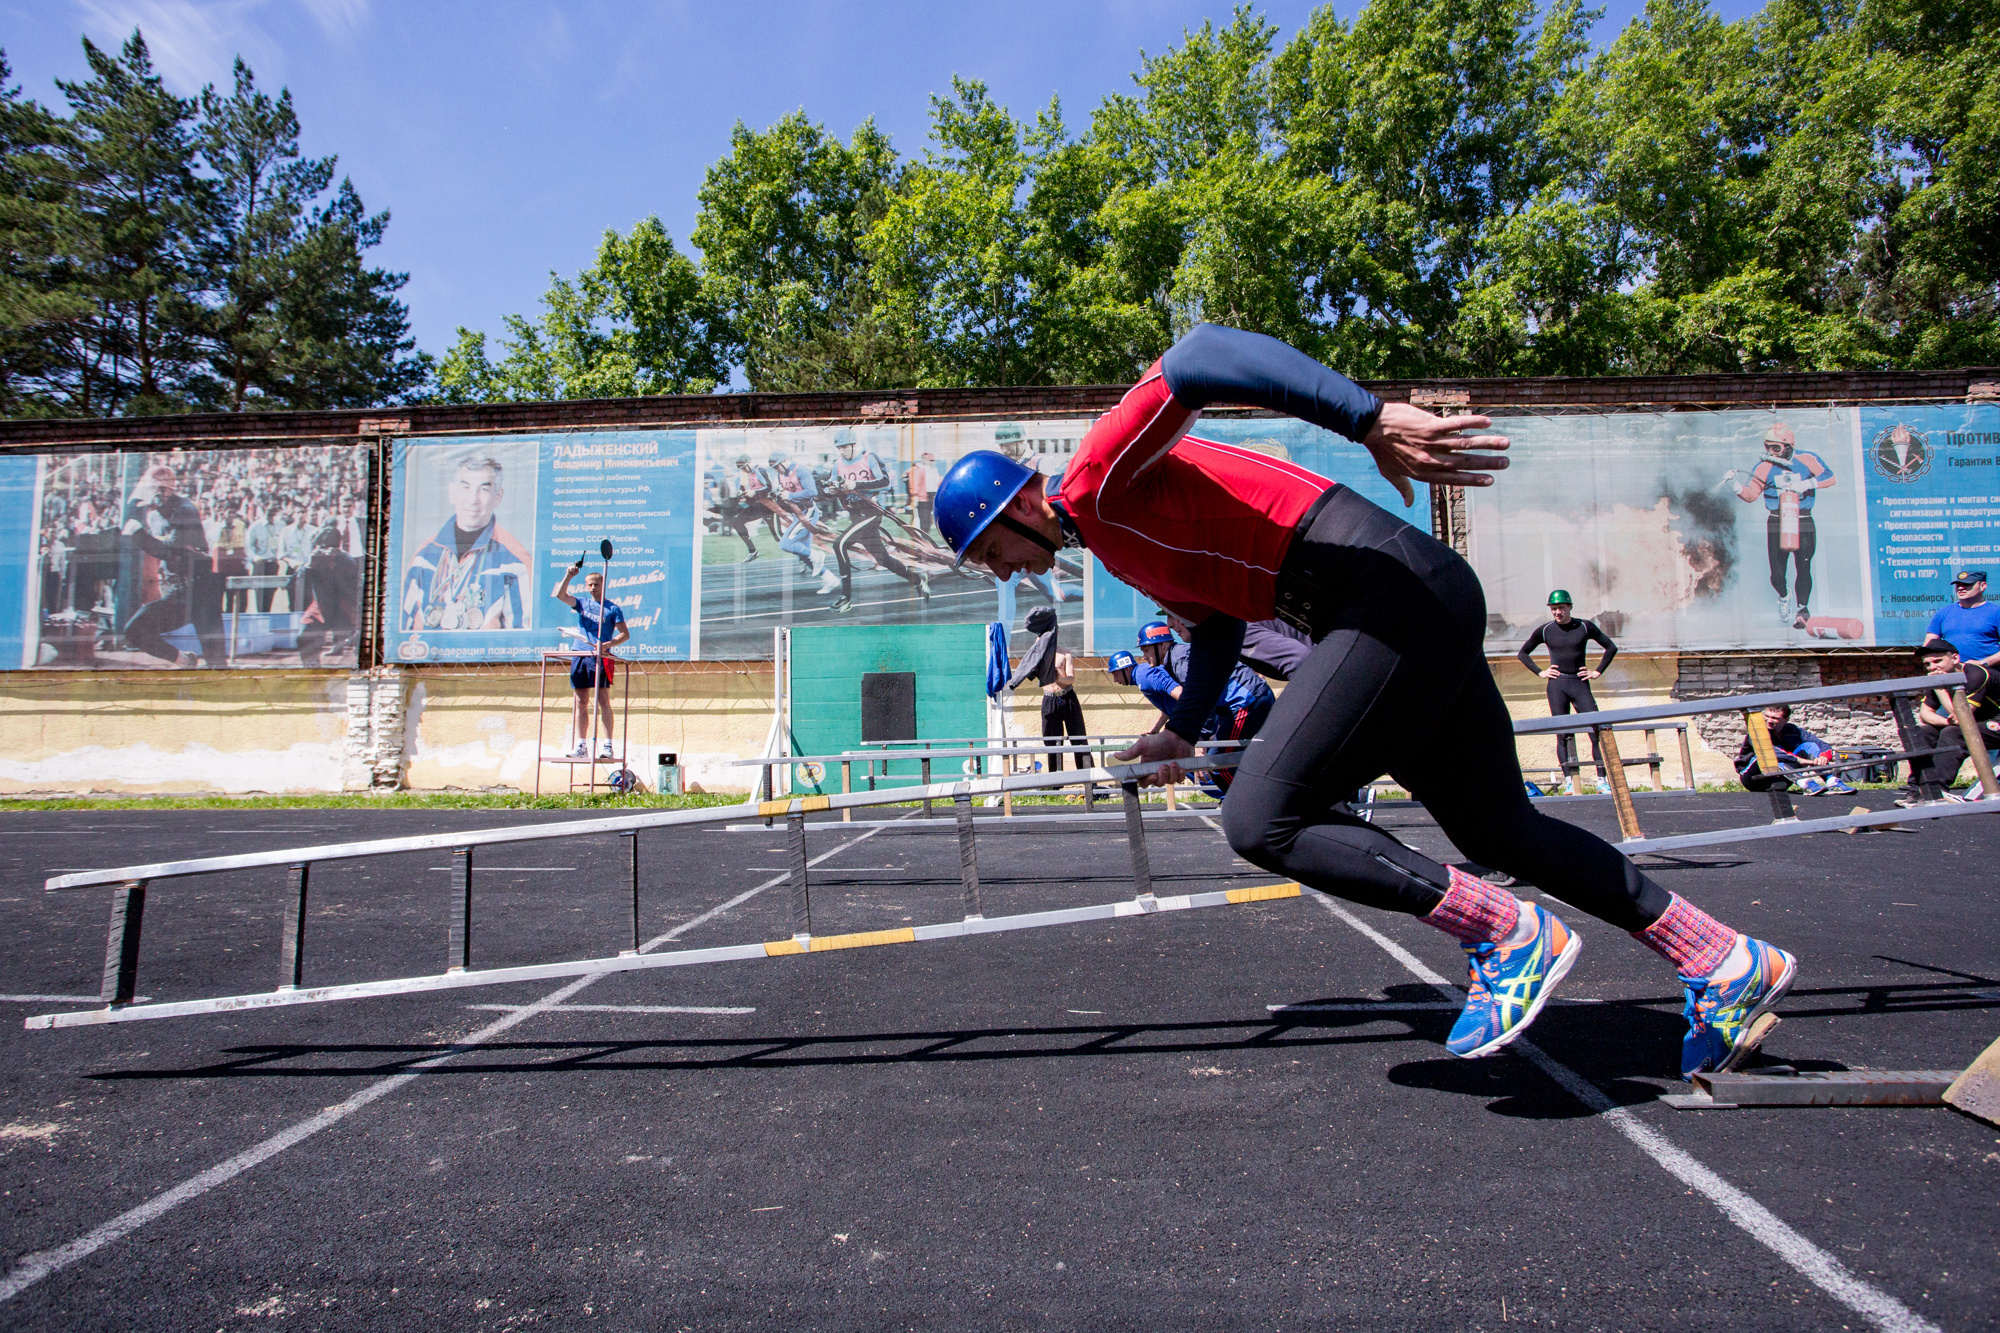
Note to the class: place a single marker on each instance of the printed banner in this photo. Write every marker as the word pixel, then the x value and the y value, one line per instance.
pixel 192 558
pixel 1684 530
pixel 483 530
pixel 1933 505
pixel 833 525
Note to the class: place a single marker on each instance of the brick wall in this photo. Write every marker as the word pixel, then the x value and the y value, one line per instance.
pixel 1863 721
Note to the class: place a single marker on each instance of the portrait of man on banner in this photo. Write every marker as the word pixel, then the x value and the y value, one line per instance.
pixel 467 570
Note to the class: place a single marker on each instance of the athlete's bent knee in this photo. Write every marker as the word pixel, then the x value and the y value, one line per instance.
pixel 1250 831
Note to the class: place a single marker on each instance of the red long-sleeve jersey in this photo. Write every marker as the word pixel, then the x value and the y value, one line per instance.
pixel 1195 525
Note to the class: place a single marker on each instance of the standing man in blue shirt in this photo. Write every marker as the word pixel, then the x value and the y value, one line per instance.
pixel 604 629
pixel 1973 624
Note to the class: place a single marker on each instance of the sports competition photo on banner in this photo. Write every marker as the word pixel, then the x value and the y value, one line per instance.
pixel 198 558
pixel 819 525
pixel 1680 530
pixel 833 525
pixel 483 530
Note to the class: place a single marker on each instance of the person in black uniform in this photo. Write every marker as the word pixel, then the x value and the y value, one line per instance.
pixel 166 525
pixel 1569 679
pixel 1055 671
pixel 333 599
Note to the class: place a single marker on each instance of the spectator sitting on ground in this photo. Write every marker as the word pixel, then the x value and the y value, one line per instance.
pixel 1940 729
pixel 1973 623
pixel 1796 747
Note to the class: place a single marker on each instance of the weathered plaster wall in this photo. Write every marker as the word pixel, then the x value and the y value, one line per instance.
pixel 160 731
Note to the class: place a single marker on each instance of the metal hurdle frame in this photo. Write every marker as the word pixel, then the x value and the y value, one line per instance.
pixel 120 978
pixel 119 985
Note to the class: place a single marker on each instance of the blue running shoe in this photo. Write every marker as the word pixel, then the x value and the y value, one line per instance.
pixel 1718 1014
pixel 1510 985
pixel 1812 786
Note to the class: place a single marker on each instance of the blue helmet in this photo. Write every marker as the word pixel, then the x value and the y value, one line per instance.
pixel 973 493
pixel 1155 631
pixel 1120 661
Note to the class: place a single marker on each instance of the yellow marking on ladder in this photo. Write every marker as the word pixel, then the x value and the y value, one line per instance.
pixel 812 803
pixel 1263 893
pixel 769 808
pixel 864 939
pixel 824 943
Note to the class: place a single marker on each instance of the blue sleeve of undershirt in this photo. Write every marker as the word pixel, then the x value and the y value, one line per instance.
pixel 1213 364
pixel 1212 654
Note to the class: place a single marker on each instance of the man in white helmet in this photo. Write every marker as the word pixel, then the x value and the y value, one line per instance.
pixel 1788 479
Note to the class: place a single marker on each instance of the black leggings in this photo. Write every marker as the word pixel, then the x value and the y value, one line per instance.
pixel 1801 559
pixel 1566 692
pixel 1397 682
pixel 867 534
pixel 1062 712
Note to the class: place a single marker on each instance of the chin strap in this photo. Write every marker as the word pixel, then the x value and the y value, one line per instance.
pixel 1022 529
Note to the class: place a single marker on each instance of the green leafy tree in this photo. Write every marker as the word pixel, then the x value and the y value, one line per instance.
pixel 299 320
pixel 42 312
pixel 131 157
pixel 780 228
pixel 637 322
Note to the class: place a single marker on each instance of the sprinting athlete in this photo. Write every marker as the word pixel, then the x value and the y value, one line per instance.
pixel 1789 479
pixel 1568 641
pixel 1397 680
pixel 860 479
pixel 798 492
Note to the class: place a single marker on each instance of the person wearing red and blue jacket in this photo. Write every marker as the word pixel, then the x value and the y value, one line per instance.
pixel 1396 681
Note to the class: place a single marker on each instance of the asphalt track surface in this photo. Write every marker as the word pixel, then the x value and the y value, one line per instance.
pixel 1086 1127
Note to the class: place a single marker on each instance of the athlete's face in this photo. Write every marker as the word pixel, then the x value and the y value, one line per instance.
pixel 1154 652
pixel 1123 675
pixel 1005 552
pixel 1941 664
pixel 1777 717
pixel 475 497
pixel 594 585
pixel 1560 610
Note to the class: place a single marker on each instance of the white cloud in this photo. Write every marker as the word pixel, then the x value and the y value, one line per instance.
pixel 339 19
pixel 194 42
pixel 191 43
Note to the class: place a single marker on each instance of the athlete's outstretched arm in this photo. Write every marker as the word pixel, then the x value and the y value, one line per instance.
pixel 1213 364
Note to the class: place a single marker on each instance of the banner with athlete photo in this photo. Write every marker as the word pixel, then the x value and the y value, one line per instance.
pixel 186 558
pixel 481 531
pixel 1933 506
pixel 833 525
pixel 1682 530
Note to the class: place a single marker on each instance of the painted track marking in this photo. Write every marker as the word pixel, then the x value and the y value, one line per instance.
pixel 1764 1226
pixel 32 1268
pixel 613 1008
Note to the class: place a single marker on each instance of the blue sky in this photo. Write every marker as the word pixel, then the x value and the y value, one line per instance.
pixel 504 136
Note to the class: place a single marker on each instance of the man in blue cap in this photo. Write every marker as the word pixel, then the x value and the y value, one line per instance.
pixel 1396 682
pixel 1971 622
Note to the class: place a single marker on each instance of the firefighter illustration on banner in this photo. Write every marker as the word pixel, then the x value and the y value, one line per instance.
pixel 1788 480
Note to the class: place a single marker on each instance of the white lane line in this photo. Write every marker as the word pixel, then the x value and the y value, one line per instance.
pixel 488 870
pixel 613 1008
pixel 1765 1227
pixel 1365 1007
pixel 32 1268
pixel 61 999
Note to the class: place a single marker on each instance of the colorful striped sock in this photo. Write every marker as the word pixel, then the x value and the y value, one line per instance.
pixel 1475 912
pixel 1689 938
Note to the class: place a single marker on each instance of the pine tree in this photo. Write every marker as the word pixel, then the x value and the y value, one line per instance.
pixel 131 155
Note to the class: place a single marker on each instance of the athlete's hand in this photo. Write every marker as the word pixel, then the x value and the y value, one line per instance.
pixel 1550 673
pixel 1588 673
pixel 1410 444
pixel 1160 745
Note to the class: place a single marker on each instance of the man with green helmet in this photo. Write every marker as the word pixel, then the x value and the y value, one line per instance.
pixel 1567 640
